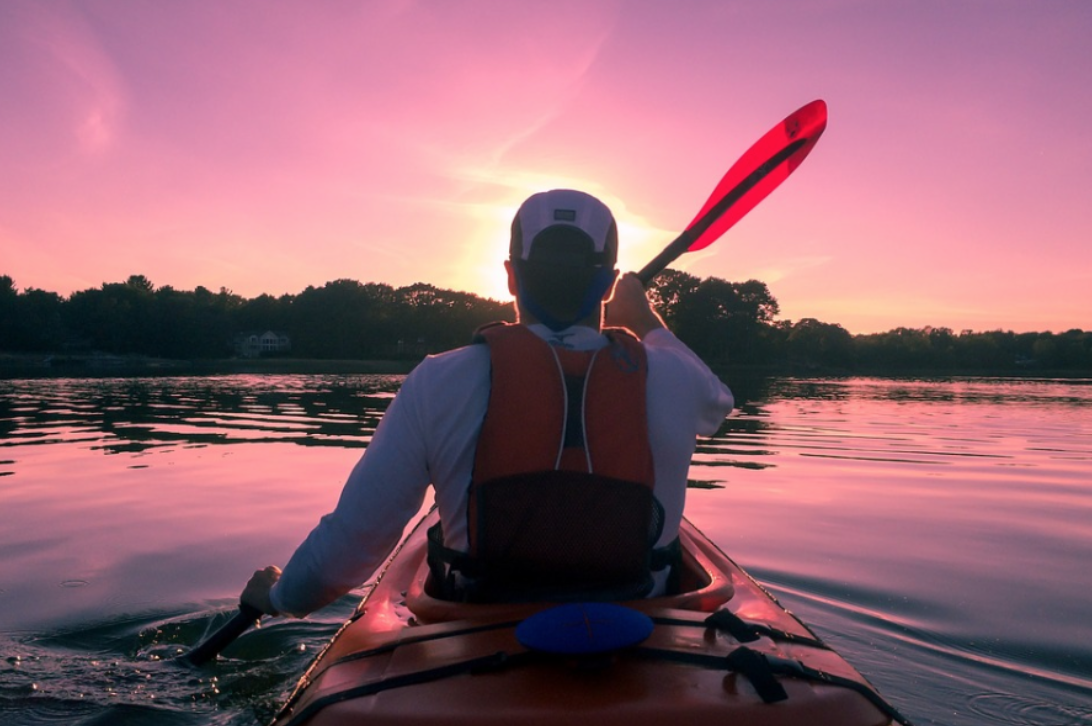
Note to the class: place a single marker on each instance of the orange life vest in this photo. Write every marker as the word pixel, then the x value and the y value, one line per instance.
pixel 561 503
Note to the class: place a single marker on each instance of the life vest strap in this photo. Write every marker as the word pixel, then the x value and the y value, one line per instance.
pixel 462 577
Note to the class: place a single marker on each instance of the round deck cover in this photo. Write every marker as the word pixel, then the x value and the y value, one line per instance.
pixel 584 629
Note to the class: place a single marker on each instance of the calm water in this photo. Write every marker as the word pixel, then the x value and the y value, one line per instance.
pixel 937 533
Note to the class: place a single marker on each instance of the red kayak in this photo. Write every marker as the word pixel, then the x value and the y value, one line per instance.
pixel 721 650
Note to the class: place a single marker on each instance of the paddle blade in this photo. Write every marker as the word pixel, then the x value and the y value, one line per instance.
pixel 758 172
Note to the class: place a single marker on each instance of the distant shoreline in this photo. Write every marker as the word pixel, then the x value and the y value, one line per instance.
pixel 788 371
pixel 105 366
pixel 23 365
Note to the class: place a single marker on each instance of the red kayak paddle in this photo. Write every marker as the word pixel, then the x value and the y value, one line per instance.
pixel 757 173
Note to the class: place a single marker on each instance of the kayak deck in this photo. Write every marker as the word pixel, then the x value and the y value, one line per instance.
pixel 721 651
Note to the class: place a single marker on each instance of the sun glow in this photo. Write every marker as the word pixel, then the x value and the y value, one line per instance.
pixel 480 268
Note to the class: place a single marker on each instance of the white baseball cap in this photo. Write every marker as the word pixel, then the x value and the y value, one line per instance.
pixel 565 227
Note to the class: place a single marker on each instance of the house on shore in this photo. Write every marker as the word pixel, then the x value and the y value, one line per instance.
pixel 255 345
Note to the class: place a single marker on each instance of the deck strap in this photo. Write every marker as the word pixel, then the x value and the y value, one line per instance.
pixel 756 668
pixel 732 624
pixel 483 664
pixel 778 667
pixel 744 632
pixel 413 640
pixel 389 647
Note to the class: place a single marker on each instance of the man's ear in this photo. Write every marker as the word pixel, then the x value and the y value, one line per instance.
pixel 610 288
pixel 513 284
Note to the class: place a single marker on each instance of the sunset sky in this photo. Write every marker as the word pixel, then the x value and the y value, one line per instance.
pixel 265 146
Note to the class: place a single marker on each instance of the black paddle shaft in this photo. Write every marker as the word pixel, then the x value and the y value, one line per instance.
pixel 223 637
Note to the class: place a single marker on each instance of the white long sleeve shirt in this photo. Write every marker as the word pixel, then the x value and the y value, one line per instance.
pixel 429 434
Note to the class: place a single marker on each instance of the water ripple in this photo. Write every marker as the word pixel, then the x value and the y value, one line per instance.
pixel 1006 708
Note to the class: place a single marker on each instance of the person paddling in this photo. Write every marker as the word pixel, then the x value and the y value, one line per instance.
pixel 557 447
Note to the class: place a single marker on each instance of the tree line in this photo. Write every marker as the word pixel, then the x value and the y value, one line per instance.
pixel 343 319
pixel 736 322
pixel 724 322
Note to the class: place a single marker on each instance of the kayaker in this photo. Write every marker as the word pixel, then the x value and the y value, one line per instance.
pixel 490 425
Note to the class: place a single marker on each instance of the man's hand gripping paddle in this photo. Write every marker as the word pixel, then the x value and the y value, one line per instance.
pixel 757 173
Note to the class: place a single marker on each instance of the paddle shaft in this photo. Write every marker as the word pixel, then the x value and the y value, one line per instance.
pixel 224 636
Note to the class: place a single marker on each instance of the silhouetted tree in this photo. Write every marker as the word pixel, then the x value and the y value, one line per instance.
pixel 812 344
pixel 10 333
pixel 31 320
pixel 341 319
pixel 669 289
pixel 434 320
pixel 720 320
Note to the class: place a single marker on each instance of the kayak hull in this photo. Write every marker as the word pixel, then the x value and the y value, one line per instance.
pixel 409 658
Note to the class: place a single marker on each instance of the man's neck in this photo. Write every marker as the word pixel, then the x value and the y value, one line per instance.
pixel 593 321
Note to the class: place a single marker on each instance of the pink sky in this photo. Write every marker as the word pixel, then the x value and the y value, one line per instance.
pixel 268 146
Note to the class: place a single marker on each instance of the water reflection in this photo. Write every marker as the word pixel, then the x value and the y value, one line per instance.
pixel 963 390
pixel 132 415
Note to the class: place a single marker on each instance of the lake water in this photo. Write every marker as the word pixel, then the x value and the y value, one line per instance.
pixel 938 533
